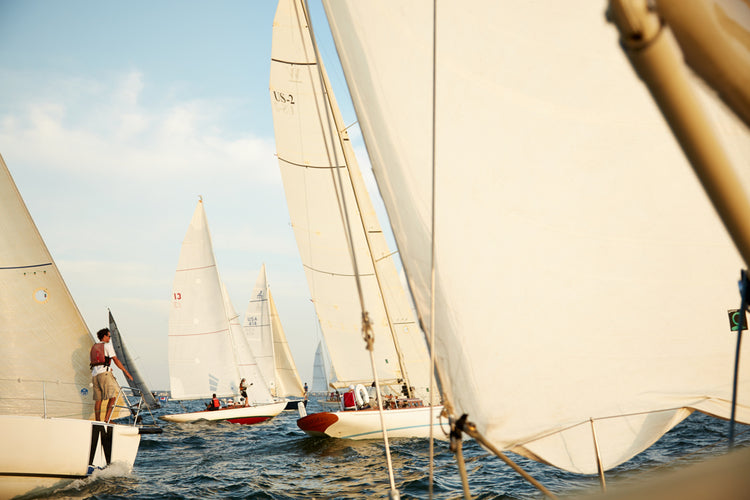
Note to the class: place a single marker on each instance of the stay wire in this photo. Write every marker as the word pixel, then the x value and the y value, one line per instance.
pixel 367 333
pixel 432 256
pixel 744 285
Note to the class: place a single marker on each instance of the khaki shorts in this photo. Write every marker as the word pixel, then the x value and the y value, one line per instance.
pixel 105 386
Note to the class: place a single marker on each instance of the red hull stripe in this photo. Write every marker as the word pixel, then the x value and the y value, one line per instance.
pixel 317 422
pixel 248 420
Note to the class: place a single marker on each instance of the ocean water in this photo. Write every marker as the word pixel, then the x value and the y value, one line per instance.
pixel 275 460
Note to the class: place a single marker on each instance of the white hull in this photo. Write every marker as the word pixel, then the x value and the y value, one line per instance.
pixel 43 453
pixel 236 415
pixel 365 424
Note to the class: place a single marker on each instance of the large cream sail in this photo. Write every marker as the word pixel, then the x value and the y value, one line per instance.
pixel 45 354
pixel 582 278
pixel 330 224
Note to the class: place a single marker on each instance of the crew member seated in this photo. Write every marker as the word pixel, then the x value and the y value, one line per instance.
pixel 214 404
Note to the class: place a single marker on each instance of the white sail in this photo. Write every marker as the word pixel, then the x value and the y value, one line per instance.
pixel 288 382
pixel 581 276
pixel 46 343
pixel 201 355
pixel 257 328
pixel 320 371
pixel 330 224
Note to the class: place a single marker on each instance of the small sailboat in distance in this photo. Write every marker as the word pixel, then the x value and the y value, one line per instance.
pixel 265 334
pixel 208 352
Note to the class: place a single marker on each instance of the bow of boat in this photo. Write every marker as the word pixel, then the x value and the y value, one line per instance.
pixel 316 424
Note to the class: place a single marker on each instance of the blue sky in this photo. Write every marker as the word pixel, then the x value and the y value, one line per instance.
pixel 115 117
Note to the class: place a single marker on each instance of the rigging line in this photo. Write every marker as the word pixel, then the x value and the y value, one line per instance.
pixel 456 446
pixel 743 285
pixel 366 326
pixel 355 180
pixel 432 256
pixel 331 153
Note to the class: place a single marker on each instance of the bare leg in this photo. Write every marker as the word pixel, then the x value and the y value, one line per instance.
pixel 97 410
pixel 110 405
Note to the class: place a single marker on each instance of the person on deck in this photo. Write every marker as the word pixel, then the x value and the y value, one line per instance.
pixel 349 401
pixel 102 377
pixel 243 390
pixel 372 393
pixel 214 404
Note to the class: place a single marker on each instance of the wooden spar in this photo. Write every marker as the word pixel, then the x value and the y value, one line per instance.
pixel 657 60
pixel 599 467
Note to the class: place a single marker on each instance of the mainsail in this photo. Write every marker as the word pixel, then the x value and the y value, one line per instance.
pixel 334 221
pixel 127 360
pixel 581 277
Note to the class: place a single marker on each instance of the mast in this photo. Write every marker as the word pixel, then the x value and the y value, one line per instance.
pixel 345 143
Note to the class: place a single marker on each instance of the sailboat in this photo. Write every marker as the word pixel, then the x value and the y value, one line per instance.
pixel 142 390
pixel 47 425
pixel 208 352
pixel 581 276
pixel 342 246
pixel 268 343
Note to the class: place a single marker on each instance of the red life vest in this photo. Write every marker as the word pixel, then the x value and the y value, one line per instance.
pixel 215 403
pixel 97 356
pixel 349 401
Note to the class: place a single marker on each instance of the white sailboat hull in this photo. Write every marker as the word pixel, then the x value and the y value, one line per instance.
pixel 365 424
pixel 237 415
pixel 39 453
